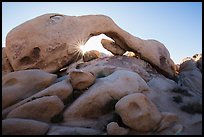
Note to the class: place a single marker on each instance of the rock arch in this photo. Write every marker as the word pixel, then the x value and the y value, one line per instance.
pixel 58 36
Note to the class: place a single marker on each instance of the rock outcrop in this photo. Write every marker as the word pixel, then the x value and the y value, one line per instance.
pixel 190 74
pixel 51 88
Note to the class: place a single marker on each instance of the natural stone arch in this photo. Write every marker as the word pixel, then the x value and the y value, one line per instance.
pixel 58 37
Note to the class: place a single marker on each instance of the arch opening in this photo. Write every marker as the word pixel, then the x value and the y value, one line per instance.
pixel 94 43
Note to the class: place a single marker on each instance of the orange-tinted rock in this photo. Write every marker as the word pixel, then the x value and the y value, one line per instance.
pixel 90 55
pixel 81 80
pixel 138 112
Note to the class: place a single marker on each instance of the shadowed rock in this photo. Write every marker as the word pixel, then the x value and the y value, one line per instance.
pixel 64 130
pixel 112 47
pixel 62 90
pixel 190 75
pixel 16 126
pixel 114 129
pixel 167 120
pixel 42 109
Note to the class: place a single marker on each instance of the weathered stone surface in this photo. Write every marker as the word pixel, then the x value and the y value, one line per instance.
pixel 63 130
pixel 162 84
pixel 90 55
pixel 42 109
pixel 19 85
pixel 167 120
pixel 190 76
pixel 105 66
pixel 114 129
pixel 6 66
pixel 53 41
pixel 138 112
pixel 99 98
pixel 16 126
pixel 81 80
pixel 187 64
pixel 177 129
pixel 112 47
pixel 62 90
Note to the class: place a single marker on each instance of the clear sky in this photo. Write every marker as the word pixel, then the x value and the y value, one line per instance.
pixel 178 25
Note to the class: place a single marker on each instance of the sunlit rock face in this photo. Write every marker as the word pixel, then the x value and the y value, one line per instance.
pixel 52 41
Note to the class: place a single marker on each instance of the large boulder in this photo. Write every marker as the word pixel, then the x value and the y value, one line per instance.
pixel 16 126
pixel 63 90
pixel 190 75
pixel 138 112
pixel 42 109
pixel 19 85
pixel 52 41
pixel 101 97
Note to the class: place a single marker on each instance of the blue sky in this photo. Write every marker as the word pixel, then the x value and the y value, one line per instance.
pixel 177 25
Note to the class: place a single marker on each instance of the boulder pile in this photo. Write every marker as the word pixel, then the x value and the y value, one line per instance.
pixel 49 87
